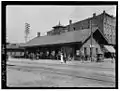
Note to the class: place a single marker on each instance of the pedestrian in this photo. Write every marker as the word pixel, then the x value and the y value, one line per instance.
pixel 62 61
pixel 112 60
pixel 64 58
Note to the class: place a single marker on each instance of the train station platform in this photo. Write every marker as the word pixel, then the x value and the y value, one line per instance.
pixel 107 63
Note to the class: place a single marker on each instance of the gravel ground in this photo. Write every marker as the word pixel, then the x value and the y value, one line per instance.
pixel 48 73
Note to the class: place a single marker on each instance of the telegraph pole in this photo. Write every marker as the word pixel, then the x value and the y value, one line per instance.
pixel 27 31
pixel 91 28
pixel 91 39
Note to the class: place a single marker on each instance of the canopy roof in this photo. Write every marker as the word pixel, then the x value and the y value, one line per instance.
pixel 14 46
pixel 109 48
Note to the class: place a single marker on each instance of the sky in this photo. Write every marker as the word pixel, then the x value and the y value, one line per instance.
pixel 43 18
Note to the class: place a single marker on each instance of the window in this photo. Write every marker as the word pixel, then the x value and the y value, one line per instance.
pixel 85 50
pixel 96 50
pixel 88 26
pixel 73 28
pixel 77 52
pixel 81 27
pixel 91 49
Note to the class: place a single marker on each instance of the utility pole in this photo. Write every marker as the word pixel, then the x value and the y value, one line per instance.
pixel 27 31
pixel 92 21
pixel 91 39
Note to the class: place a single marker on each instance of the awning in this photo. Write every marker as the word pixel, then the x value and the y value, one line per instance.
pixel 109 48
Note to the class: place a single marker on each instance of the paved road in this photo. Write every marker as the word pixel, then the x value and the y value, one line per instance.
pixel 45 73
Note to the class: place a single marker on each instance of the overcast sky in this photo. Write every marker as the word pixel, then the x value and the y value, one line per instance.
pixel 43 18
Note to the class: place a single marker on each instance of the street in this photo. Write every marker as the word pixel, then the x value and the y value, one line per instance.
pixel 51 73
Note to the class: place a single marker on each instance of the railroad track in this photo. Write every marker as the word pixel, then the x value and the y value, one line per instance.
pixel 72 65
pixel 76 74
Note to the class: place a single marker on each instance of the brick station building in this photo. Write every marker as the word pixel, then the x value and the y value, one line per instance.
pixel 73 44
pixel 105 22
pixel 75 39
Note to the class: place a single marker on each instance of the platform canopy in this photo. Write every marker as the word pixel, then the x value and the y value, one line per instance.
pixel 109 48
pixel 14 46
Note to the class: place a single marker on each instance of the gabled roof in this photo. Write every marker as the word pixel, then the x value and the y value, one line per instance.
pixel 68 37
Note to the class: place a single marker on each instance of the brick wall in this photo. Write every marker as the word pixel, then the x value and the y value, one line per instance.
pixel 87 46
pixel 84 24
pixel 104 22
pixel 109 28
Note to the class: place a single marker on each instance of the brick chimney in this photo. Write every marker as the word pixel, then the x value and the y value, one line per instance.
pixel 70 22
pixel 94 20
pixel 104 11
pixel 38 34
pixel 94 14
pixel 70 25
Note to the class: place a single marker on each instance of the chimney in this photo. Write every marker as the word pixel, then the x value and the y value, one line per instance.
pixel 70 22
pixel 94 14
pixel 70 25
pixel 38 34
pixel 104 12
